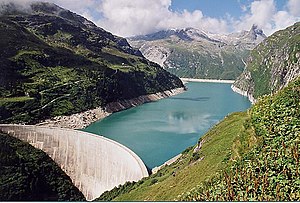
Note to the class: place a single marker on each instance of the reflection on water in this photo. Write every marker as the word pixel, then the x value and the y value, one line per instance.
pixel 160 130
pixel 179 115
pixel 182 122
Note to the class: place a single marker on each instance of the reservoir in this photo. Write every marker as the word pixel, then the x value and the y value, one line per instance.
pixel 160 130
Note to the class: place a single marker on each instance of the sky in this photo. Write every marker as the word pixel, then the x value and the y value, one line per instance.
pixel 137 17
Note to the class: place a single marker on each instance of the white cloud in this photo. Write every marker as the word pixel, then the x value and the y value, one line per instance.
pixel 294 7
pixel 260 14
pixel 21 4
pixel 244 8
pixel 133 17
pixel 265 14
pixel 283 19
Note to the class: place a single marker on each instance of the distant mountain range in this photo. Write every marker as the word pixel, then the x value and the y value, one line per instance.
pixel 194 53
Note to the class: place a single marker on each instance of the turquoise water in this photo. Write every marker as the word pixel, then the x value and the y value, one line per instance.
pixel 160 130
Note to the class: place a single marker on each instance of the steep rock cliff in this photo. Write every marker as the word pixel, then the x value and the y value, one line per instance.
pixel 271 65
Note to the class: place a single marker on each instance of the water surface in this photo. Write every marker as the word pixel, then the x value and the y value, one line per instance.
pixel 160 130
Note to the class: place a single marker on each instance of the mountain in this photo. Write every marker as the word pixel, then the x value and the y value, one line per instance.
pixel 272 64
pixel 194 53
pixel 29 174
pixel 55 62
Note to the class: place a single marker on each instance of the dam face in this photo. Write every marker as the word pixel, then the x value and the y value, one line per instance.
pixel 94 163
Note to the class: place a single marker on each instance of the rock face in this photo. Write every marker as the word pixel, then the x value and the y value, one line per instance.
pixel 194 53
pixel 271 65
pixel 94 163
pixel 57 63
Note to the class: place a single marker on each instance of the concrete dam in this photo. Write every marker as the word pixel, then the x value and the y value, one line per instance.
pixel 94 163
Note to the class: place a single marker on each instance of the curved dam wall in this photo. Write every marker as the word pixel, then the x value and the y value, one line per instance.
pixel 94 163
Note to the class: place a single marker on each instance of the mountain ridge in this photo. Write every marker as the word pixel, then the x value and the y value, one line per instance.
pixel 271 65
pixel 61 64
pixel 193 53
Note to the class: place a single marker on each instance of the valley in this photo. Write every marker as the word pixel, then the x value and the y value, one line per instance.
pixel 79 104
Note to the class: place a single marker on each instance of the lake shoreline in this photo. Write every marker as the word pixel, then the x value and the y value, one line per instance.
pixel 84 119
pixel 206 80
pixel 167 163
pixel 163 129
pixel 243 93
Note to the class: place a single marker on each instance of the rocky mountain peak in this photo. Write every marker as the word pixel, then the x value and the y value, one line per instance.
pixel 185 34
pixel 255 32
pixel 272 64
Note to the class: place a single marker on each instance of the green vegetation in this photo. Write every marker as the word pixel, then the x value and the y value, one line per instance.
pixel 250 156
pixel 273 63
pixel 190 53
pixel 196 64
pixel 193 167
pixel 53 63
pixel 14 99
pixel 269 171
pixel 28 174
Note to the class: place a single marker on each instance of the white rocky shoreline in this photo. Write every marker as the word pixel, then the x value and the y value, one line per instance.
pixel 83 119
pixel 244 93
pixel 206 80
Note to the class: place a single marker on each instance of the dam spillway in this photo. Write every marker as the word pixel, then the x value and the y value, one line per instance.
pixel 94 163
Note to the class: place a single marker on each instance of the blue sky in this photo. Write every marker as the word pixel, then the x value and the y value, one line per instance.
pixel 135 17
pixel 217 8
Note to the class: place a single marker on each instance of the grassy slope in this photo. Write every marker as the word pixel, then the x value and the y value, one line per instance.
pixel 28 174
pixel 190 170
pixel 270 171
pixel 250 156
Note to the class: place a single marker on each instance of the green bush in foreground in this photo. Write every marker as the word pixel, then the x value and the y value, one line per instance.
pixel 249 156
pixel 270 171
